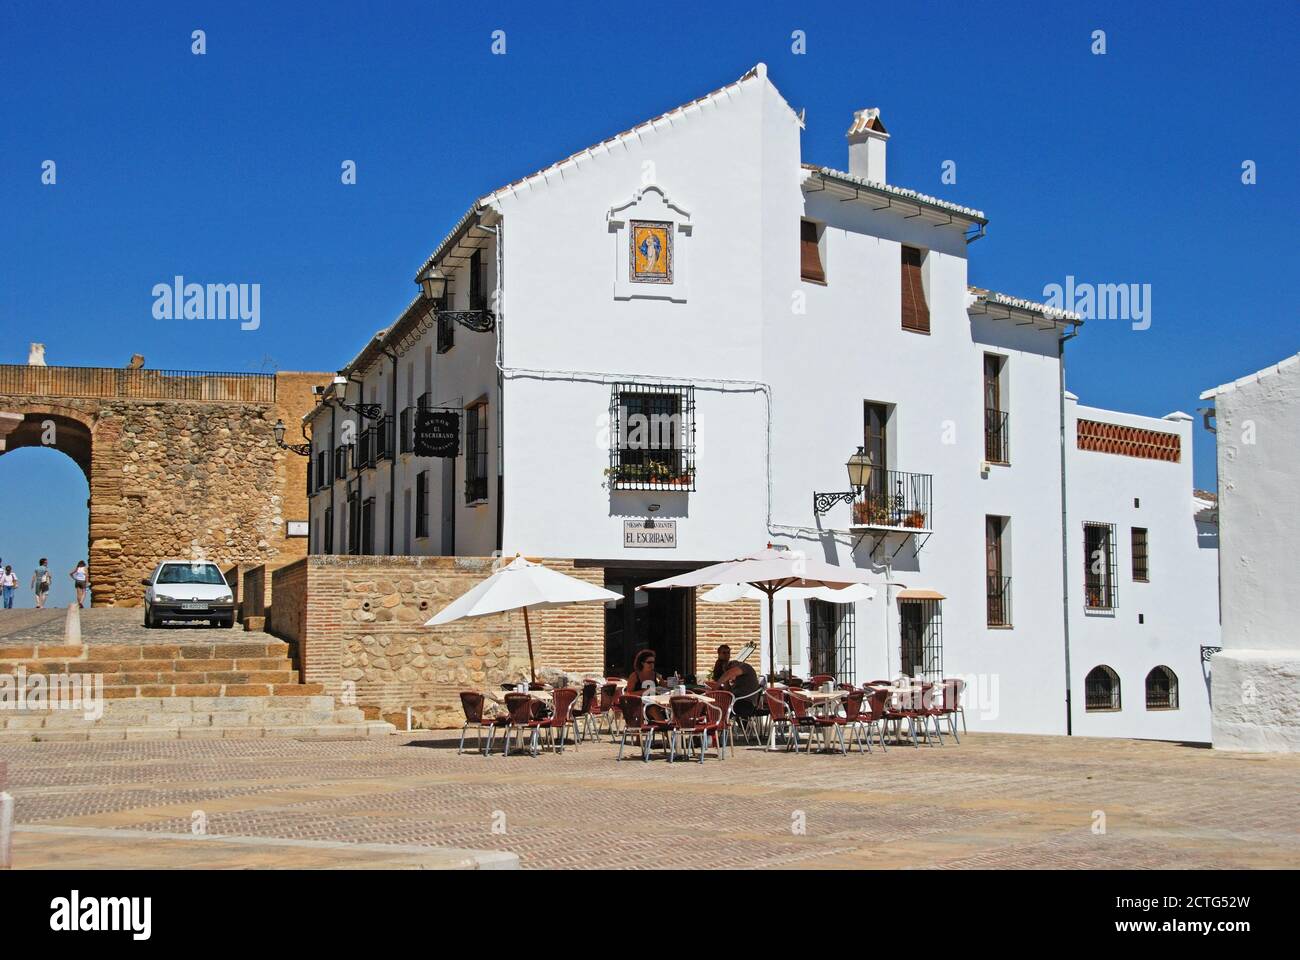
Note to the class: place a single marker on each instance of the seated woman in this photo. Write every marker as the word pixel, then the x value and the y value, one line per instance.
pixel 643 672
pixel 740 679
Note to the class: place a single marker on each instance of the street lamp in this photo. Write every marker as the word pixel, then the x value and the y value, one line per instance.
pixel 434 283
pixel 859 467
pixel 302 449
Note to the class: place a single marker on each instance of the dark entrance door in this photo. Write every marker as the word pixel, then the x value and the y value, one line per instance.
pixel 662 620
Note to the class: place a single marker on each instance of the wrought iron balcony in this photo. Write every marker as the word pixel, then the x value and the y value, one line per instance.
pixel 999 600
pixel 997 436
pixel 894 500
pixel 382 438
pixel 365 454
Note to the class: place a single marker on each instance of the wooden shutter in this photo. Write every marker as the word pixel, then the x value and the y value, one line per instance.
pixel 916 314
pixel 810 255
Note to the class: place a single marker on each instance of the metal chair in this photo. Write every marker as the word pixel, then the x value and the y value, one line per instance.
pixel 472 703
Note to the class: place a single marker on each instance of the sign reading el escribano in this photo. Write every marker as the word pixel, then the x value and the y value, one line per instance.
pixel 437 433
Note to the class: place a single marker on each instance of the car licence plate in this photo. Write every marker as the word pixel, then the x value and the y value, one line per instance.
pixel 194 606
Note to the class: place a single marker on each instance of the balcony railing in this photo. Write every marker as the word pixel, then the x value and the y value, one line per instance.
pixel 999 601
pixel 997 436
pixel 893 499
pixel 382 433
pixel 341 460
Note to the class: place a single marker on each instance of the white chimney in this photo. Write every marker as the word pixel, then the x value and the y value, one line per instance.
pixel 867 138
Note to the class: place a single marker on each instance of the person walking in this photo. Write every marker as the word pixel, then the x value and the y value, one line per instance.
pixel 41 583
pixel 80 581
pixel 8 584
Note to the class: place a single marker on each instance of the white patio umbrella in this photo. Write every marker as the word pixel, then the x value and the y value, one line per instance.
pixel 768 571
pixel 731 592
pixel 522 585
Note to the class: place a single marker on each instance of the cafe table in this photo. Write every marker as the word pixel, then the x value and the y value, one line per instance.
pixel 822 702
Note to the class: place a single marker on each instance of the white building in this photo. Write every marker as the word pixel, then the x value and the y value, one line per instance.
pixel 776 317
pixel 1257 674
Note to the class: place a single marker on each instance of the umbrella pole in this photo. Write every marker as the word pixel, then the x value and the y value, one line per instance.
pixel 771 631
pixel 789 641
pixel 528 632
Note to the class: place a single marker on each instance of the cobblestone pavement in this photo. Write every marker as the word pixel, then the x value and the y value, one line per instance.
pixel 102 625
pixel 994 801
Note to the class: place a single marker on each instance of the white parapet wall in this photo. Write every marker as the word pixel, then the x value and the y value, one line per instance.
pixel 1256 677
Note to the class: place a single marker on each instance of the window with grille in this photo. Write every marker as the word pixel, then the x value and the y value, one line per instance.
pixel 310 488
pixel 322 469
pixel 916 312
pixel 831 642
pixel 354 523
pixel 1101 689
pixel 477 299
pixel 652 437
pixel 422 504
pixel 1162 689
pixel 998 584
pixel 476 453
pixel 921 636
pixel 329 530
pixel 446 328
pixel 341 459
pixel 1099 588
pixel 368 526
pixel 810 254
pixel 1141 566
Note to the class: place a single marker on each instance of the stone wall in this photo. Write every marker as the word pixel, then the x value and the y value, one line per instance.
pixel 174 478
pixel 356 625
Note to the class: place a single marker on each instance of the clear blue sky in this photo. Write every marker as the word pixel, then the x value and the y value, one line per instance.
pixel 225 167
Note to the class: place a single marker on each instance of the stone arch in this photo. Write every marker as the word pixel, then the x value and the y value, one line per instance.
pixel 76 430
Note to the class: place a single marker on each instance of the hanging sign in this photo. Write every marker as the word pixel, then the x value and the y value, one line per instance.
pixel 437 433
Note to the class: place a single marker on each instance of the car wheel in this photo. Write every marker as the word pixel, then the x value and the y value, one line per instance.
pixel 229 624
pixel 148 620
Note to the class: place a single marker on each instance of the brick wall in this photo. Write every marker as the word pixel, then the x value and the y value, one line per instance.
pixel 734 624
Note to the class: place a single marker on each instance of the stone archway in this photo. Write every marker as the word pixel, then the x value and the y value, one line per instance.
pixel 179 464
pixel 71 430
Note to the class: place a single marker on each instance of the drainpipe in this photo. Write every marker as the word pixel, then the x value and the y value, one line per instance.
pixel 1065 530
pixel 330 455
pixel 392 459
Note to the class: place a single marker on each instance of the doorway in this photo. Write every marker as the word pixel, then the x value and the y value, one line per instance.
pixel 661 620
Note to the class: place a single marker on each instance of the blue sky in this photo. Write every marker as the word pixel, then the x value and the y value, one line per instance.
pixel 1122 168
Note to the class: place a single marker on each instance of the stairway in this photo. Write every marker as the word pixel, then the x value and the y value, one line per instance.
pixel 193 688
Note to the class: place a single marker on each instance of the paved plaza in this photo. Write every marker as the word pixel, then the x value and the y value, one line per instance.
pixel 409 800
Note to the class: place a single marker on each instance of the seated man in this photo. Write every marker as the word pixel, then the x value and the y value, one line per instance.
pixel 740 679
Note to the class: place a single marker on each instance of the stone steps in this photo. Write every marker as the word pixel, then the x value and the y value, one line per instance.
pixel 214 669
pixel 229 717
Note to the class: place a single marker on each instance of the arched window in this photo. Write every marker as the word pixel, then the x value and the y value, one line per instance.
pixel 1101 689
pixel 1162 689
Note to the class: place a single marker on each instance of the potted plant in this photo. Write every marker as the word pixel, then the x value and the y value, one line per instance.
pixel 915 519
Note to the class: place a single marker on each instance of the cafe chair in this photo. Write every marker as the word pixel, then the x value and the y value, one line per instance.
pixel 472 703
pixel 959 687
pixel 801 717
pixel 607 708
pixel 519 717
pixel 818 679
pixel 873 714
pixel 779 715
pixel 560 718
pixel 717 722
pixel 585 709
pixel 746 713
pixel 635 724
pixel 687 724
pixel 850 718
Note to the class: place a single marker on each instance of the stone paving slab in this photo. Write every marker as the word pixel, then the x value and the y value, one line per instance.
pixel 119 625
pixel 994 801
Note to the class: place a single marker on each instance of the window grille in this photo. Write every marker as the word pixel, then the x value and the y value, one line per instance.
pixel 1101 689
pixel 831 640
pixel 1162 689
pixel 1141 564
pixel 476 453
pixel 1100 590
pixel 921 628
pixel 422 504
pixel 652 437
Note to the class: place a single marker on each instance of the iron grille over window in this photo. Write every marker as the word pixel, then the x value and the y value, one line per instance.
pixel 996 436
pixel 921 628
pixel 652 437
pixel 1162 689
pixel 1101 689
pixel 1138 541
pixel 383 438
pixel 322 469
pixel 341 460
pixel 476 453
pixel 422 504
pixel 365 452
pixel 999 601
pixel 1100 591
pixel 368 526
pixel 446 333
pixel 405 428
pixel 329 530
pixel 354 522
pixel 830 634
